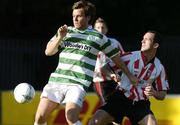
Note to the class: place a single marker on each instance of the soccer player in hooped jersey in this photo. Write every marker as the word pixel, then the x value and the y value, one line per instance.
pixel 133 100
pixel 103 83
pixel 78 47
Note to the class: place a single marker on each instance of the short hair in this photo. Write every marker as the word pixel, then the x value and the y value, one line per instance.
pixel 157 36
pixel 89 8
pixel 101 20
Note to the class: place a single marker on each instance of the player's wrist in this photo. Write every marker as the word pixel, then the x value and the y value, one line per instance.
pixel 59 39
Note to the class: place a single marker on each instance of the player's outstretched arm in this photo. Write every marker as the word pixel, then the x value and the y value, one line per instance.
pixel 117 60
pixel 52 46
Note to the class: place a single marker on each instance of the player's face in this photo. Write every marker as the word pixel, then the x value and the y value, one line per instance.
pixel 80 21
pixel 100 27
pixel 147 42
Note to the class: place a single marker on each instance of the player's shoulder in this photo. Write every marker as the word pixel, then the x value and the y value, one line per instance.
pixel 71 28
pixel 95 33
pixel 157 62
pixel 127 53
pixel 158 65
pixel 137 52
pixel 131 54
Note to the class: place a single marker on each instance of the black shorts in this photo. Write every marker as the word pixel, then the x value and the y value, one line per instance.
pixel 119 106
pixel 140 110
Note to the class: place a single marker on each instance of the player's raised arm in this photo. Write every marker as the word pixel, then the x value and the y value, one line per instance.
pixel 117 60
pixel 53 44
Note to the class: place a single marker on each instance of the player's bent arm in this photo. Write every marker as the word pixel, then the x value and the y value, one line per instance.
pixel 160 95
pixel 117 60
pixel 52 46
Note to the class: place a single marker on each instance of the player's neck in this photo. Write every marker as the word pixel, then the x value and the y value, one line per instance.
pixel 149 56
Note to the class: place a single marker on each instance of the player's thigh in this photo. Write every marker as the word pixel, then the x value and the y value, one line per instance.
pixel 45 107
pixel 101 117
pixel 73 101
pixel 74 94
pixel 148 120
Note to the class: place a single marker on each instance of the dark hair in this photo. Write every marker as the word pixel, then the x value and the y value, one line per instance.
pixel 157 36
pixel 89 8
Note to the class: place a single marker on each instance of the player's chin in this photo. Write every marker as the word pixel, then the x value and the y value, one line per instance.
pixel 76 25
pixel 143 50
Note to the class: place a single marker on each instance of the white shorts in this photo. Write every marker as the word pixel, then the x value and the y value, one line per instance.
pixel 62 93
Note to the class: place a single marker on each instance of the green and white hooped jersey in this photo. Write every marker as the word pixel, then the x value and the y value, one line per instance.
pixel 78 54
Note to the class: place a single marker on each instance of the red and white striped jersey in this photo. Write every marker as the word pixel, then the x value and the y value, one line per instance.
pixel 101 67
pixel 154 71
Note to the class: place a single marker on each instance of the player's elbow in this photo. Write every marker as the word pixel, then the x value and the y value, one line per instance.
pixel 160 98
pixel 49 53
pixel 160 95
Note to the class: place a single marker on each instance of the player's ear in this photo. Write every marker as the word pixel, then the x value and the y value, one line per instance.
pixel 156 45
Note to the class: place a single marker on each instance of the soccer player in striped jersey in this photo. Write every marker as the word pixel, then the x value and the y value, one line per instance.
pixel 133 100
pixel 78 47
pixel 103 83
